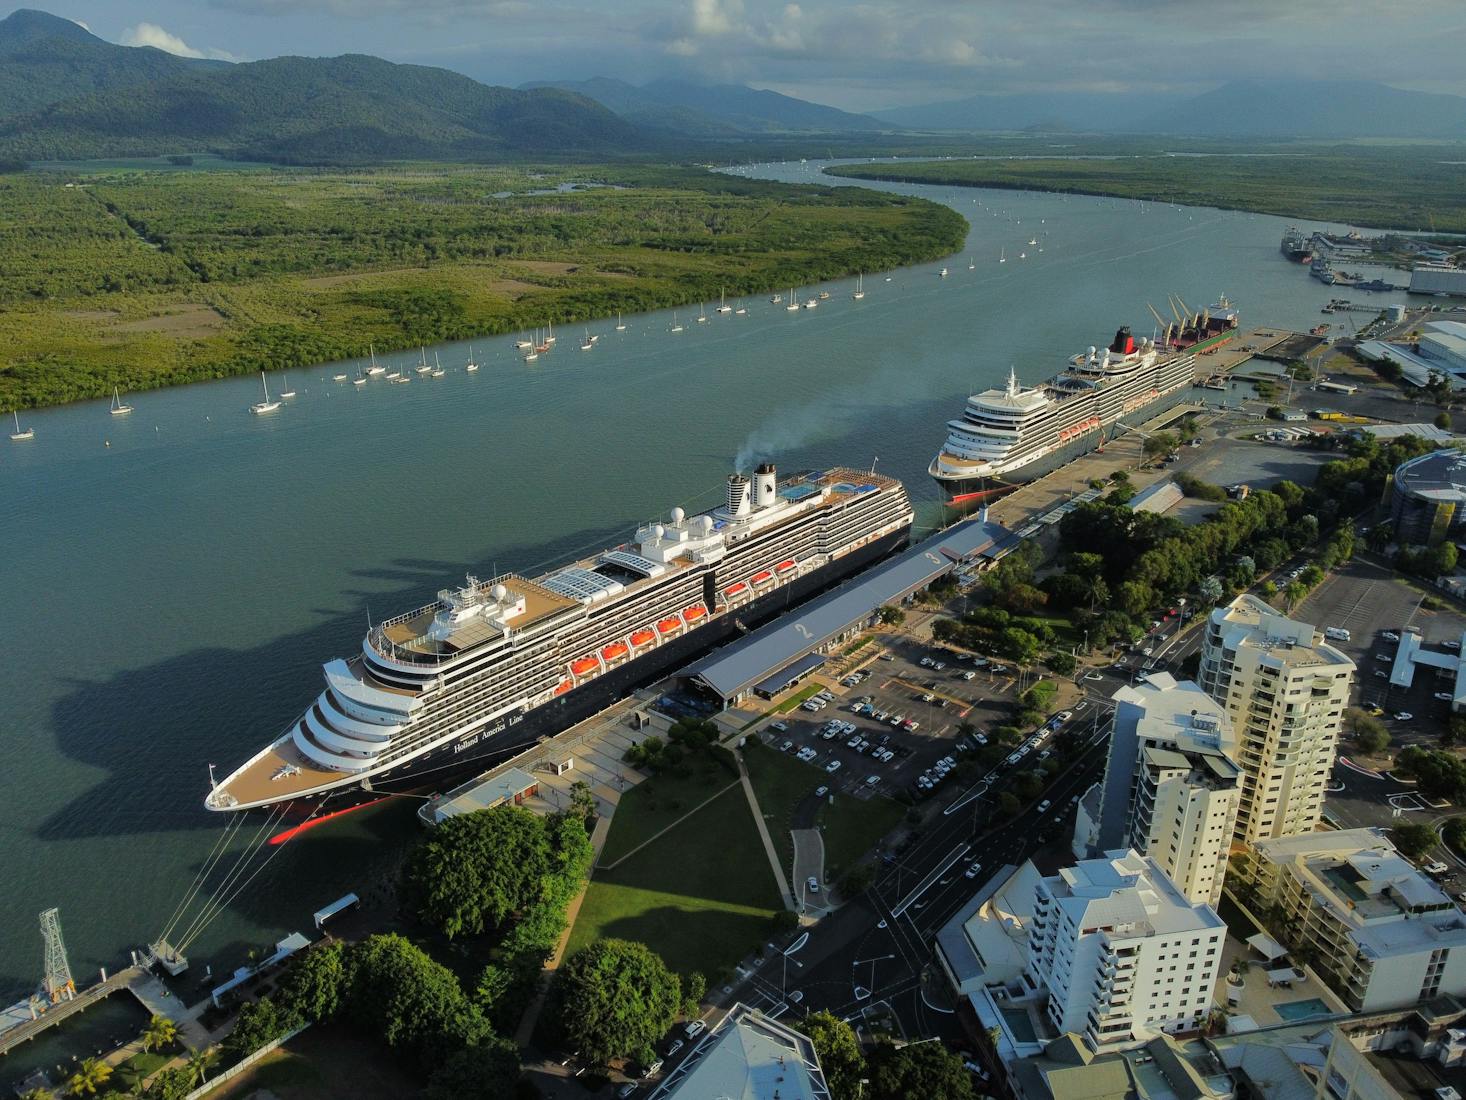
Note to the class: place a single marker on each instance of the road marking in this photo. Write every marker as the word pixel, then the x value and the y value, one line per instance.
pixel 925 884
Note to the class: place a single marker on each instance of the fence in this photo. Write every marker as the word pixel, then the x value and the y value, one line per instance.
pixel 242 1065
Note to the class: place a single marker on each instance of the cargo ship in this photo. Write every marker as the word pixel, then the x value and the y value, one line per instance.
pixel 1009 435
pixel 493 665
pixel 1296 246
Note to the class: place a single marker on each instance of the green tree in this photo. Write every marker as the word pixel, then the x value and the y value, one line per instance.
pixel 476 869
pixel 1061 662
pixel 258 1023
pixel 582 800
pixel 1210 590
pixel 1160 443
pixel 890 616
pixel 311 988
pixel 615 997
pixel 1443 420
pixel 1414 839
pixel 89 1077
pixel 1019 645
pixel 411 1002
pixel 694 989
pixel 161 1032
pixel 1008 805
pixel 1437 774
pixel 926 1069
pixel 838 1048
pixel 1039 696
pixel 487 1071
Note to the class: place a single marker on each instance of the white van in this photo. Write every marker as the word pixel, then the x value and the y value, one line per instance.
pixel 1337 633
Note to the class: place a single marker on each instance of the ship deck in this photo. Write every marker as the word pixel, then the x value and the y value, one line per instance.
pixel 540 603
pixel 255 783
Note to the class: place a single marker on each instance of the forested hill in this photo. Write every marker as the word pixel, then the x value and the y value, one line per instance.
pixel 45 59
pixel 121 101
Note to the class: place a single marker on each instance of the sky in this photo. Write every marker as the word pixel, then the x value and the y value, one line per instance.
pixel 856 54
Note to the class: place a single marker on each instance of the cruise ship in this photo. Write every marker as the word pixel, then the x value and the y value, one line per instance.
pixel 492 666
pixel 1003 432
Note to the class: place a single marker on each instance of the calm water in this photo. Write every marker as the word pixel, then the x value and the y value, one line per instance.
pixel 169 598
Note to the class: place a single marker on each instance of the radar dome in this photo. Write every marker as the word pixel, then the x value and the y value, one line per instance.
pixel 499 592
pixel 707 525
pixel 658 531
pixel 678 515
pixel 1091 351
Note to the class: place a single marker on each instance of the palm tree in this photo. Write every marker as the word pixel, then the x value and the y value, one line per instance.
pixel 89 1075
pixel 38 1094
pixel 200 1064
pixel 161 1032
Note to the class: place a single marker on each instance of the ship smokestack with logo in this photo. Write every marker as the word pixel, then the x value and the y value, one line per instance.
pixel 766 482
pixel 1124 343
pixel 739 502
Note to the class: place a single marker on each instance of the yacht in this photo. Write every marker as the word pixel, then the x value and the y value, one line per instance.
pixel 118 408
pixel 471 365
pixel 793 301
pixel 676 324
pixel 723 306
pixel 620 324
pixel 285 381
pixel 374 369
pixel 265 406
pixel 859 288
pixel 20 434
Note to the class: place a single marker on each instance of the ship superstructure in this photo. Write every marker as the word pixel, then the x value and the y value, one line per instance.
pixel 1004 431
pixel 499 661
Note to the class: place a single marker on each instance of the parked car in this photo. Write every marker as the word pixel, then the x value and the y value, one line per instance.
pixel 820 792
pixel 1044 805
pixel 812 884
pixel 1403 716
pixel 781 726
pixel 972 872
pixel 832 767
pixel 694 1029
pixel 1390 636
pixel 674 1046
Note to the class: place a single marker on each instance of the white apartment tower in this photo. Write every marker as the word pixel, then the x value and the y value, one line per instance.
pixel 1284 691
pixel 1122 953
pixel 1171 785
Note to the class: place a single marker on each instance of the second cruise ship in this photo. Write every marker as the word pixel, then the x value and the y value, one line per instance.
pixel 491 666
pixel 1004 434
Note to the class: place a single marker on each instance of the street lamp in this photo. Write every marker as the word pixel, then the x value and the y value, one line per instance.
pixel 872 961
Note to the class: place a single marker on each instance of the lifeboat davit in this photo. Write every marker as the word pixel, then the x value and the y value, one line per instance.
pixel 563 686
pixel 615 651
pixel 734 589
pixel 785 566
pixel 763 576
pixel 693 613
pixel 581 665
pixel 642 637
pixel 666 626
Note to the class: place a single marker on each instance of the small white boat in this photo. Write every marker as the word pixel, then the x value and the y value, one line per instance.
pixel 776 298
pixel 20 433
pixel 550 335
pixel 392 376
pixel 943 273
pixel 723 306
pixel 422 367
pixel 811 304
pixel 359 380
pixel 824 295
pixel 741 310
pixel 971 264
pixel 702 317
pixel 531 355
pixel 438 370
pixel 286 392
pixel 676 324
pixel 259 408
pixel 401 379
pixel 1002 256
pixel 589 343
pixel 338 378
pixel 1023 255
pixel 523 344
pixel 859 288
pixel 620 324
pixel 470 366
pixel 374 369
pixel 793 302
pixel 1033 240
pixel 118 408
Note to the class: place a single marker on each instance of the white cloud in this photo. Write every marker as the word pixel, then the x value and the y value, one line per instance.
pixel 150 34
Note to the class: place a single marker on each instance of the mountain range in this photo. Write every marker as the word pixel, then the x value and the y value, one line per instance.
pixel 64 93
pixel 712 110
pixel 1252 108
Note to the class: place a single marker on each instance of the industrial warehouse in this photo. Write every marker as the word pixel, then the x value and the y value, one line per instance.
pixel 779 655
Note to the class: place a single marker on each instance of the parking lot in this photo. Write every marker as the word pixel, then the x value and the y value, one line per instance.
pixel 899 722
pixel 1372 604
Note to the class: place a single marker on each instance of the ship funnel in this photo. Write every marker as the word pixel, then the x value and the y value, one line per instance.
pixel 738 496
pixel 766 481
pixel 1124 343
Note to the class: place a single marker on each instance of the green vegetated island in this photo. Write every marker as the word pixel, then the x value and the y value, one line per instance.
pixel 1388 186
pixel 145 279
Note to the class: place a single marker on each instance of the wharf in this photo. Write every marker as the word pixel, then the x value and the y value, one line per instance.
pixel 23 1029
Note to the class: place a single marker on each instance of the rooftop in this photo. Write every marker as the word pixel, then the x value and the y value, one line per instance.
pixel 1249 623
pixel 1438 476
pixel 1127 895
pixel 739 666
pixel 748 1057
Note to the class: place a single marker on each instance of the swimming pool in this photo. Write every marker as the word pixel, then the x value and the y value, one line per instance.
pixel 1302 1010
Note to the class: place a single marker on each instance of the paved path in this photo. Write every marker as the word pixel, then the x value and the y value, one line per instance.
pixel 662 832
pixel 809 860
pixel 763 832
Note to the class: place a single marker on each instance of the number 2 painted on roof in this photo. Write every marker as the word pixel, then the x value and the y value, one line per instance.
pixel 803 632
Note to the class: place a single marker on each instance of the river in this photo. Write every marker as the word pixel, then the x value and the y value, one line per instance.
pixel 173 579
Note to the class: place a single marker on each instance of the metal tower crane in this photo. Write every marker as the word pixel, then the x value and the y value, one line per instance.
pixel 57 984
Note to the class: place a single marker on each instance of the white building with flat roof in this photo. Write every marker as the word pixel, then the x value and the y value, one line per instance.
pixel 1379 930
pixel 1284 690
pixel 1171 785
pixel 1121 952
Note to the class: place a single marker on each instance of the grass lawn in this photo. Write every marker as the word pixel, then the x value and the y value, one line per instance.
pixel 851 827
pixel 131 1073
pixel 701 897
pixel 657 802
pixel 798 697
pixel 324 1063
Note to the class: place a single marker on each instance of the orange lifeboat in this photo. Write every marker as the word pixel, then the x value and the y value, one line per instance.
pixel 614 651
pixel 785 566
pixel 581 665
pixel 642 637
pixel 693 613
pixel 763 576
pixel 563 686
pixel 666 626
pixel 734 589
